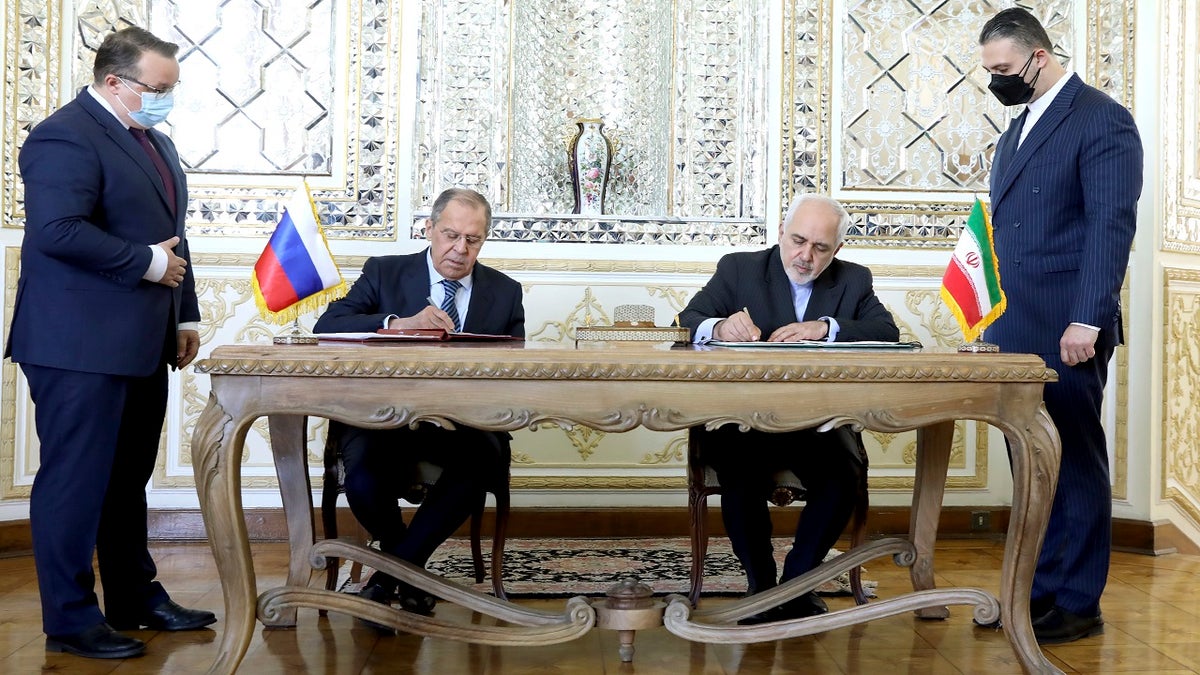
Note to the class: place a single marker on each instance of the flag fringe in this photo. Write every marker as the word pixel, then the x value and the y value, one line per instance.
pixel 970 333
pixel 292 312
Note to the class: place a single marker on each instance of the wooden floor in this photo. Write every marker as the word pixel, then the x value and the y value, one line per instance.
pixel 1151 615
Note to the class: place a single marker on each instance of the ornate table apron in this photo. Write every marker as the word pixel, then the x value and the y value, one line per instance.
pixel 504 387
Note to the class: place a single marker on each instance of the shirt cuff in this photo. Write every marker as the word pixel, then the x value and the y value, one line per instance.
pixel 388 319
pixel 190 325
pixel 1085 325
pixel 833 328
pixel 158 264
pixel 705 330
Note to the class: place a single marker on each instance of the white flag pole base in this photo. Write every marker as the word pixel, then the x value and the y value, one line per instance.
pixel 977 347
pixel 296 336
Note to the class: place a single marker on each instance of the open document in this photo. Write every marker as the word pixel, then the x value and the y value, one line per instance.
pixel 818 345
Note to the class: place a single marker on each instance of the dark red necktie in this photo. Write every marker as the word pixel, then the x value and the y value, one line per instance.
pixel 163 172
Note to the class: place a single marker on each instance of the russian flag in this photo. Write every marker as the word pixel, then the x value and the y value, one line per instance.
pixel 296 265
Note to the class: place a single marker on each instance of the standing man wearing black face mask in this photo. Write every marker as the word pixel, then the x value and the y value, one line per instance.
pixel 1065 181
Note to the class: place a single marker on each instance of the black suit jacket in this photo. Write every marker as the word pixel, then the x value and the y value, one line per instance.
pixel 399 284
pixel 756 281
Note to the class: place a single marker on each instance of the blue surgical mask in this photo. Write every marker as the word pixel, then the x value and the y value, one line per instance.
pixel 155 107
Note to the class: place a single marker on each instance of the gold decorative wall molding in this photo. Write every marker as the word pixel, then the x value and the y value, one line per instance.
pixel 8 388
pixel 1180 377
pixel 31 66
pixel 1180 118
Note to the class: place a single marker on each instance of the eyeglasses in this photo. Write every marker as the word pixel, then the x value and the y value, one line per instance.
pixel 451 236
pixel 152 91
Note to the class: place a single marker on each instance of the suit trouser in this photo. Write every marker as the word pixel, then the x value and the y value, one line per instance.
pixel 829 465
pixel 1072 568
pixel 99 438
pixel 378 464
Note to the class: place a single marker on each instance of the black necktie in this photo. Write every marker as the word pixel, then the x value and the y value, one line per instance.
pixel 1014 140
pixel 164 173
pixel 450 286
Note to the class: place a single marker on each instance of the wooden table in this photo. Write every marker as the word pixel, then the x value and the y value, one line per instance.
pixel 507 386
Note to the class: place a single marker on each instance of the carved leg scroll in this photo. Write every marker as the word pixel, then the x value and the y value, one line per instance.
pixel 295 488
pixel 1035 453
pixel 522 625
pixel 933 459
pixel 216 463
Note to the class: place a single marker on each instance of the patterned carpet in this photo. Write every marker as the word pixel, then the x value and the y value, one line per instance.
pixel 568 567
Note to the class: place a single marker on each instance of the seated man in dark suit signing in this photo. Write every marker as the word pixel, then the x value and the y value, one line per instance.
pixel 440 287
pixel 796 290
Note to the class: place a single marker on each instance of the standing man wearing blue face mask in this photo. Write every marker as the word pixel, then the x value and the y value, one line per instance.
pixel 1065 182
pixel 106 302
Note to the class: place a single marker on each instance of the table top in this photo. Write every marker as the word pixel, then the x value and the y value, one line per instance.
pixel 640 362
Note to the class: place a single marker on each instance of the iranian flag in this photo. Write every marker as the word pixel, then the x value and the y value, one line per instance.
pixel 971 285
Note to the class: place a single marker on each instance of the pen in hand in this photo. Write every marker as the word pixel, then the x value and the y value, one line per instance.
pixel 753 337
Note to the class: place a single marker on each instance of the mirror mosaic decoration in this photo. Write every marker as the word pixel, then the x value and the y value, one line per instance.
pixel 682 86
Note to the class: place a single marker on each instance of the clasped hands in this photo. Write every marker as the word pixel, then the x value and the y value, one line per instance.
pixel 739 327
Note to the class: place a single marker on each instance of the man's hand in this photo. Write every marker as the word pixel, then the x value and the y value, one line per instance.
pixel 1078 344
pixel 803 330
pixel 737 328
pixel 189 344
pixel 430 317
pixel 176 266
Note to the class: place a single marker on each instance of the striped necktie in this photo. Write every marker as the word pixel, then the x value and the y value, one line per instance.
pixel 451 286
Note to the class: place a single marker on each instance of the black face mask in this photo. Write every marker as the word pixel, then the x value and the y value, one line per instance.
pixel 1013 89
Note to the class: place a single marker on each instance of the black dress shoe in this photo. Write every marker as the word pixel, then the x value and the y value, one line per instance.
pixel 377 593
pixel 1038 609
pixel 98 642
pixel 415 600
pixel 809 604
pixel 166 616
pixel 1059 625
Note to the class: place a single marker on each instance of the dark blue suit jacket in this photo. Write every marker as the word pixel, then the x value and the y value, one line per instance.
pixel 399 284
pixel 757 282
pixel 1064 210
pixel 94 203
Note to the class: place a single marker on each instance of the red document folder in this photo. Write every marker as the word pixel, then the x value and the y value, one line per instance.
pixel 409 335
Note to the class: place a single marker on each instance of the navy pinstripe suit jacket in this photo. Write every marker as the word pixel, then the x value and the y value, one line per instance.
pixel 1064 211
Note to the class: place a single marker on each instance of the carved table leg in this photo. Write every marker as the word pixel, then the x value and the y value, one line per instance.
pixel 216 463
pixel 933 459
pixel 1035 458
pixel 295 488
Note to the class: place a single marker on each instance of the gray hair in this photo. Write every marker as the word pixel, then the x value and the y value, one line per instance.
pixel 843 225
pixel 463 196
